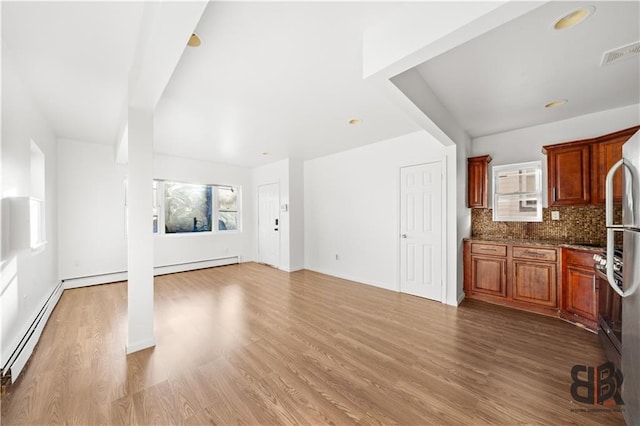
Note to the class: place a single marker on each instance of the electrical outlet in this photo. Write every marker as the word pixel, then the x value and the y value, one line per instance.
pixel 555 215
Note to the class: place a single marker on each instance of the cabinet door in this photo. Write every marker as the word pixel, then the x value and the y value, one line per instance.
pixel 477 181
pixel 489 275
pixel 605 155
pixel 580 292
pixel 535 283
pixel 569 175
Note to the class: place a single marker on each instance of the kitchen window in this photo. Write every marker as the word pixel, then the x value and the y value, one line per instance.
pixel 517 192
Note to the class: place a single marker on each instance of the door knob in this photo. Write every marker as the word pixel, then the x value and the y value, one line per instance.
pixel 275 229
pixel 403 236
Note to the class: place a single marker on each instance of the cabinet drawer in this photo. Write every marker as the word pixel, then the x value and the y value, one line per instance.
pixel 577 257
pixel 491 249
pixel 535 253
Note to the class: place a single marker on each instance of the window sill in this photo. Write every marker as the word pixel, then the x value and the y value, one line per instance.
pixel 39 247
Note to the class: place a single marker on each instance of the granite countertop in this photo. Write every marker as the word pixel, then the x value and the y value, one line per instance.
pixel 576 246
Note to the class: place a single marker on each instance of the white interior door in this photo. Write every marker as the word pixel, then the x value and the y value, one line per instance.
pixel 421 230
pixel 269 224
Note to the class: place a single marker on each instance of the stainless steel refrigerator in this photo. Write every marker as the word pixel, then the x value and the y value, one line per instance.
pixel 630 291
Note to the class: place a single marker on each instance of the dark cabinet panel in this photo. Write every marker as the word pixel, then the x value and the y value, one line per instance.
pixel 535 282
pixel 488 275
pixel 569 175
pixel 478 181
pixel 606 151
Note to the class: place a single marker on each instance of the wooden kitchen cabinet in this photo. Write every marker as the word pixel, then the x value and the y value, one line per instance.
pixel 576 171
pixel 488 264
pixel 569 174
pixel 516 275
pixel 478 181
pixel 535 275
pixel 606 151
pixel 580 288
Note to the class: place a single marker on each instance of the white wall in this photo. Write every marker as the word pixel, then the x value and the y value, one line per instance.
pixel 28 277
pixel 526 144
pixel 86 249
pixel 91 210
pixel 296 214
pixel 351 204
pixel 174 249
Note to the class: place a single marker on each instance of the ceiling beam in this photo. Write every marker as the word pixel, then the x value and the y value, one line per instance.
pixel 165 30
pixel 391 51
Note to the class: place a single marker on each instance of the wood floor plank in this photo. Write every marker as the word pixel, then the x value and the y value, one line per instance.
pixel 249 344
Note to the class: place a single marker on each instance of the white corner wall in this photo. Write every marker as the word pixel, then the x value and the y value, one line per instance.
pixel 92 222
pixel 351 202
pixel 526 144
pixel 29 277
pixel 91 210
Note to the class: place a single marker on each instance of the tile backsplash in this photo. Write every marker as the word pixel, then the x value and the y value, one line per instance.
pixel 577 225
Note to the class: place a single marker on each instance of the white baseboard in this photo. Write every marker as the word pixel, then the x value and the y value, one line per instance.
pixel 354 279
pixel 461 298
pixel 23 348
pixel 158 270
pixel 140 345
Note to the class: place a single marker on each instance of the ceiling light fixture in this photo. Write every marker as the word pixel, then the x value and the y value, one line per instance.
pixel 556 103
pixel 574 18
pixel 354 121
pixel 194 40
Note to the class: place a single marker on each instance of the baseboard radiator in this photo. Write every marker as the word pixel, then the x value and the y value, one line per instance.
pixel 113 277
pixel 27 343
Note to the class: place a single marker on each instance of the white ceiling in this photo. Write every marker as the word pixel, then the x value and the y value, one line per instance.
pixel 282 78
pixel 75 56
pixel 501 80
pixel 285 78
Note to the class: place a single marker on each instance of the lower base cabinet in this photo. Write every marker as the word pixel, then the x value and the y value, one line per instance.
pixel 580 288
pixel 549 280
pixel 535 282
pixel 517 275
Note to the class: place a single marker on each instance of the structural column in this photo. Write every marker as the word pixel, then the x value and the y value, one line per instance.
pixel 140 230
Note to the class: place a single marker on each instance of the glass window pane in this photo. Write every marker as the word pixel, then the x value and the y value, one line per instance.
pixel 227 221
pixel 227 199
pixel 187 207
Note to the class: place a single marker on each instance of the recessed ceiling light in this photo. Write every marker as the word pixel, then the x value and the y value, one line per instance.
pixel 194 40
pixel 556 103
pixel 354 121
pixel 574 18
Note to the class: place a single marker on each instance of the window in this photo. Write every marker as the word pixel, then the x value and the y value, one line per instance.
pixel 227 208
pixel 517 192
pixel 36 199
pixel 187 208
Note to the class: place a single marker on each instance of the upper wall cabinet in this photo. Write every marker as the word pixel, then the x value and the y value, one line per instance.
pixel 569 169
pixel 478 181
pixel 577 170
pixel 605 153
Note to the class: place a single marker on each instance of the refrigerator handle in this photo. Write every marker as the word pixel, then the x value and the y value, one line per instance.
pixel 608 194
pixel 612 229
pixel 612 281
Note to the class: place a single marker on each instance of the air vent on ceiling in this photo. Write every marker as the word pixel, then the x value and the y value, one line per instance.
pixel 620 53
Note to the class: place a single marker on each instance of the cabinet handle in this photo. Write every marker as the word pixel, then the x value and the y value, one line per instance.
pixel 554 193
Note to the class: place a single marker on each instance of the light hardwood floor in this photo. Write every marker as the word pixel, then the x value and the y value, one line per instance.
pixel 248 344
